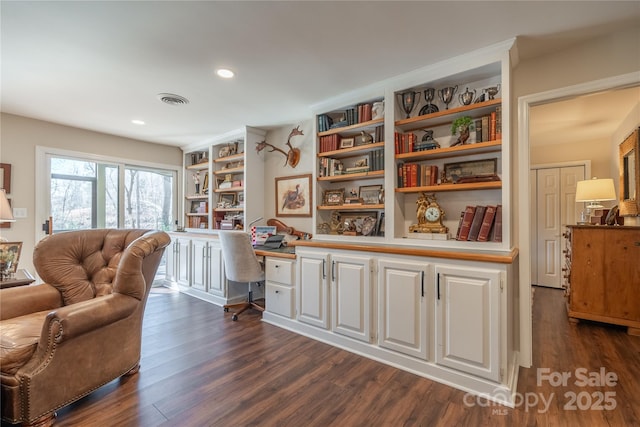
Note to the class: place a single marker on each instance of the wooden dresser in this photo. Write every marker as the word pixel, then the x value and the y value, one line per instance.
pixel 602 279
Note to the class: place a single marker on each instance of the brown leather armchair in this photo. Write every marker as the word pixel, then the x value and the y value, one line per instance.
pixel 82 327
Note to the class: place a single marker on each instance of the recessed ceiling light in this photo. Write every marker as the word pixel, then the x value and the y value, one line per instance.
pixel 137 122
pixel 224 73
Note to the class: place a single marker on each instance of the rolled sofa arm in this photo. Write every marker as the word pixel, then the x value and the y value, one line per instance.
pixel 23 300
pixel 76 319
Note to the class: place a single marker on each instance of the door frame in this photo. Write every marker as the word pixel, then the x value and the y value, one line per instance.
pixel 523 194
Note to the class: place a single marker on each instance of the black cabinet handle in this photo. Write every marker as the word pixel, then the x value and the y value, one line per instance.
pixel 422 282
pixel 438 285
pixel 324 273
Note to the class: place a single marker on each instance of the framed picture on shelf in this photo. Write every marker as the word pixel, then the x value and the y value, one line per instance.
pixel 370 194
pixel 471 171
pixel 347 142
pixel 226 200
pixel 198 207
pixel 333 197
pixel 359 223
pixel 293 195
pixel 205 185
pixel 10 255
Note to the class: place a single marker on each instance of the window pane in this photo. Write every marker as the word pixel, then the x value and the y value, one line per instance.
pixel 60 166
pixel 71 204
pixel 148 199
pixel 108 198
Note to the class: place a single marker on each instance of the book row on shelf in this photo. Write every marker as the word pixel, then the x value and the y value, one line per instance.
pixel 336 141
pixel 480 224
pixel 359 114
pixel 489 126
pixel 409 143
pixel 197 222
pixel 417 175
pixel 372 161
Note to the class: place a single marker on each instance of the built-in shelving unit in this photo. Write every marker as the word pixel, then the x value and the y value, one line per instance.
pixel 350 170
pixel 223 168
pixel 485 82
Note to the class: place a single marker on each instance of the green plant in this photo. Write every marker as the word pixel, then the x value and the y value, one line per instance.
pixel 461 122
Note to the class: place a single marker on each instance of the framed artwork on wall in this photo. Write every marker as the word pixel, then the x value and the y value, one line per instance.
pixel 293 196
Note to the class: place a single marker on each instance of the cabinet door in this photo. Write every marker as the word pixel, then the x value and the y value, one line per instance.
pixel 403 307
pixel 199 264
pixel 183 258
pixel 312 279
pixel 351 296
pixel 217 278
pixel 172 260
pixel 468 320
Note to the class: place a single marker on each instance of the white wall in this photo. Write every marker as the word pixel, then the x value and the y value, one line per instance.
pixel 275 167
pixel 19 137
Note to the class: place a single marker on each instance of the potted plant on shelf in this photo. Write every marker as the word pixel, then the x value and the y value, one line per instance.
pixel 463 125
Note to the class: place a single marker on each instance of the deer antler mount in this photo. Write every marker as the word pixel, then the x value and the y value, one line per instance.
pixel 292 157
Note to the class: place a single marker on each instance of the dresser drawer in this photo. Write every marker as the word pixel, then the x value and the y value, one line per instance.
pixel 279 270
pixel 279 299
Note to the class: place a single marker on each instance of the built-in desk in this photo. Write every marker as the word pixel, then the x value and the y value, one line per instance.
pixel 282 252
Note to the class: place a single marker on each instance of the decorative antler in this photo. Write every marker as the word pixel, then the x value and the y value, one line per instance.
pixel 292 156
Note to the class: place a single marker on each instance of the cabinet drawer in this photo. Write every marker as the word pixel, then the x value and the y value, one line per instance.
pixel 279 299
pixel 279 270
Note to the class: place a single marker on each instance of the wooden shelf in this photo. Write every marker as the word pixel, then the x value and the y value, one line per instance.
pixel 361 207
pixel 197 214
pixel 199 166
pixel 232 158
pixel 446 116
pixel 353 128
pixel 228 210
pixel 353 151
pixel 459 150
pixel 237 170
pixel 490 185
pixel 228 190
pixel 197 197
pixel 352 176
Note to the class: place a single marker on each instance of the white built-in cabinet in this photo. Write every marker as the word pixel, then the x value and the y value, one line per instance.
pixel 279 286
pixel 351 296
pixel 178 255
pixel 313 288
pixel 335 291
pixel 402 302
pixel 207 267
pixel 467 325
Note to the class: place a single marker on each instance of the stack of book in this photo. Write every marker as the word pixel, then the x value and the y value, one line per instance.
pixel 489 127
pixel 329 142
pixel 417 175
pixel 376 160
pixel 480 224
pixel 329 167
pixel 324 122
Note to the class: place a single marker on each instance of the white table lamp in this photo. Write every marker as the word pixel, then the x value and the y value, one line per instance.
pixel 593 191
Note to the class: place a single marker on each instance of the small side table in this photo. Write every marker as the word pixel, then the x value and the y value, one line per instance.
pixel 21 278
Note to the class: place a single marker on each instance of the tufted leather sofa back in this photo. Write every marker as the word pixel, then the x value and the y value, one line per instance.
pixel 83 265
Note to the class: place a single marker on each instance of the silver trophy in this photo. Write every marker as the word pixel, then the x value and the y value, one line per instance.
pixel 429 94
pixel 408 101
pixel 446 95
pixel 492 91
pixel 466 98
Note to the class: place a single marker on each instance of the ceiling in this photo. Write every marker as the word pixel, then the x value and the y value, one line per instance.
pixel 99 65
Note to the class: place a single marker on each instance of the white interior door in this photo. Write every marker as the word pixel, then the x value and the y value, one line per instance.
pixel 555 208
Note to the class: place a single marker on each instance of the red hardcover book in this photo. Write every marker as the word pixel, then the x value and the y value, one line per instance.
pixel 496 231
pixel 492 126
pixel 465 227
pixel 414 175
pixel 434 175
pixel 476 223
pixel 487 223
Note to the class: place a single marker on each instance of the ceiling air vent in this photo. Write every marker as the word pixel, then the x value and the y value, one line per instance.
pixel 172 99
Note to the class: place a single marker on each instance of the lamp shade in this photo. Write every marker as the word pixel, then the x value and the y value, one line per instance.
pixel 595 190
pixel 6 214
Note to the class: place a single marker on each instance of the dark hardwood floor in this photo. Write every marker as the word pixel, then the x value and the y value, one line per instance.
pixel 201 369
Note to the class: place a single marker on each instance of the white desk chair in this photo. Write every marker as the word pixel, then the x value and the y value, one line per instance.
pixel 241 265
